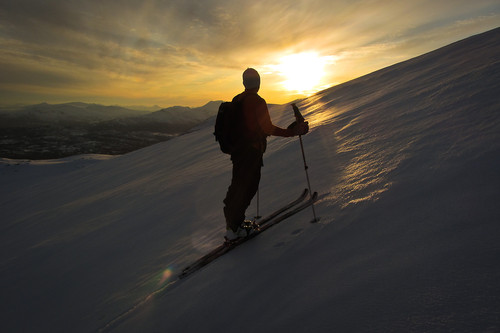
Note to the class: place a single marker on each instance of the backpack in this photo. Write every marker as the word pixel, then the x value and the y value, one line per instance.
pixel 228 126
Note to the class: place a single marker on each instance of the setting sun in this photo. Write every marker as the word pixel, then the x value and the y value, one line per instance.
pixel 303 71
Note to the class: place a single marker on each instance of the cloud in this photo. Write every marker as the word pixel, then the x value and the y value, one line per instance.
pixel 174 47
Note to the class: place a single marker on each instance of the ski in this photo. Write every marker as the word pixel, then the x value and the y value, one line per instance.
pixel 221 249
pixel 271 216
pixel 267 222
pixel 215 252
pixel 280 218
pixel 270 223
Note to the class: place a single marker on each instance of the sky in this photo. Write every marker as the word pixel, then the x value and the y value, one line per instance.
pixel 187 52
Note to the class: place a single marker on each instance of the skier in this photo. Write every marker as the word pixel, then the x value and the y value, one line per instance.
pixel 247 158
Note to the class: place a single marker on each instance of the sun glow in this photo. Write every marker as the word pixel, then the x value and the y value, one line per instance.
pixel 303 72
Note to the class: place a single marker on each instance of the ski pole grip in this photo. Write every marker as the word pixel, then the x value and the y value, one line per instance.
pixel 298 115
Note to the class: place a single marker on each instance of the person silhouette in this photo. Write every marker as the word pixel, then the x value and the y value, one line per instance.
pixel 247 157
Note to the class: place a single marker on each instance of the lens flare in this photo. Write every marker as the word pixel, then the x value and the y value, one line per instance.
pixel 166 275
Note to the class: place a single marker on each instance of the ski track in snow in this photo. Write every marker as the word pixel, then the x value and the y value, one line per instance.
pixel 406 160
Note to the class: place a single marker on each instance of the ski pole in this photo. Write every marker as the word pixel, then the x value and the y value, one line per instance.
pixel 257 216
pixel 300 119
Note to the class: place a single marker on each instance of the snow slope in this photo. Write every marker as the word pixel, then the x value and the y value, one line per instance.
pixel 407 163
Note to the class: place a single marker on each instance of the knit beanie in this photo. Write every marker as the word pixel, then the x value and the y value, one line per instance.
pixel 251 78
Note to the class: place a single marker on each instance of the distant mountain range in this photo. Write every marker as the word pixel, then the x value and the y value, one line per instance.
pixel 172 119
pixel 46 131
pixel 77 112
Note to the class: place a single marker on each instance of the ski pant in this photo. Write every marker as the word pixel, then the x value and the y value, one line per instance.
pixel 244 185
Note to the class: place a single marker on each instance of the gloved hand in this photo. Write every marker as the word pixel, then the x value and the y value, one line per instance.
pixel 299 128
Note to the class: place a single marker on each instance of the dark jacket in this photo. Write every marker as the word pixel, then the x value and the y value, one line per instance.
pixel 257 125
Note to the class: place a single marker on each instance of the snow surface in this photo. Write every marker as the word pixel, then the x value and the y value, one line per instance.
pixel 406 161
